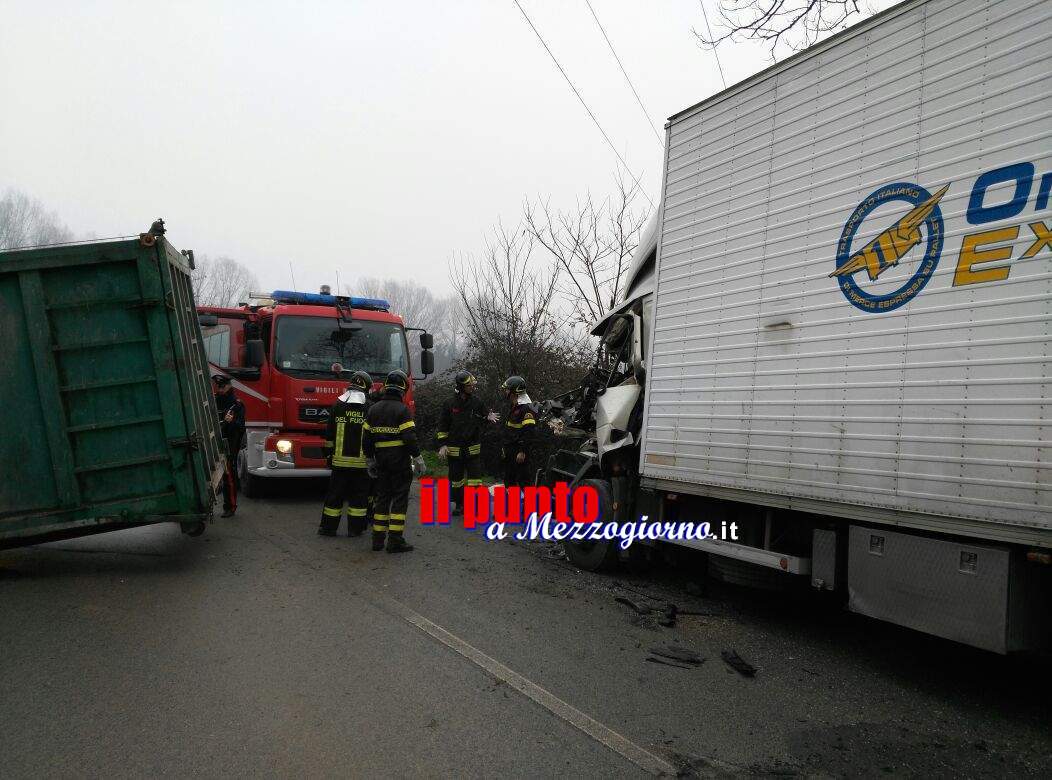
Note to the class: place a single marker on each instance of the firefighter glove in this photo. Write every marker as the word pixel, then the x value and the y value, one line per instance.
pixel 419 466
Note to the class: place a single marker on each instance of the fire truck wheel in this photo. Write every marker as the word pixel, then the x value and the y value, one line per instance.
pixel 251 487
pixel 600 555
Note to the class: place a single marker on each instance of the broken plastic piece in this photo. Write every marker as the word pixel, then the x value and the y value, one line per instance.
pixel 681 654
pixel 737 663
pixel 655 660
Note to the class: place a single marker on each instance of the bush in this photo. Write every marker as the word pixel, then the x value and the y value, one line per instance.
pixel 429 397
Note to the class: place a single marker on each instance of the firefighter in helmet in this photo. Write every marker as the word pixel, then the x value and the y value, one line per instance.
pixel 392 452
pixel 519 432
pixel 344 444
pixel 459 435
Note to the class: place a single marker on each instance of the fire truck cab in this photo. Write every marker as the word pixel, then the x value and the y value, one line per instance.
pixel 289 355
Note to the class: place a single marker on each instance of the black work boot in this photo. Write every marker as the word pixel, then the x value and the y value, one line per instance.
pixel 396 543
pixel 325 530
pixel 378 540
pixel 355 528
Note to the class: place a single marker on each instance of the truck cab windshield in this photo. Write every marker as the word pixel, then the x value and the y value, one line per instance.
pixel 308 346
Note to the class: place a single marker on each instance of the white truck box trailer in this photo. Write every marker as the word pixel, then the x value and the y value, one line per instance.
pixel 849 325
pixel 854 284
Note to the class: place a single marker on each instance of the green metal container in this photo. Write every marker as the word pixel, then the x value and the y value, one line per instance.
pixel 108 416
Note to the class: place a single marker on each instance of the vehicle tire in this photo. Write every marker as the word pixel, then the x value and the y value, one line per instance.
pixel 194 529
pixel 595 555
pixel 251 487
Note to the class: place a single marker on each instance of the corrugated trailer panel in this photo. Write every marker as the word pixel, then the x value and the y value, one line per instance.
pixel 106 403
pixel 922 390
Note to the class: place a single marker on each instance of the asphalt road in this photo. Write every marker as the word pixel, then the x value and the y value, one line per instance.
pixel 263 649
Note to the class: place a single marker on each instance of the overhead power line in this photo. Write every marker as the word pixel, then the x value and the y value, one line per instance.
pixel 583 103
pixel 631 86
pixel 715 53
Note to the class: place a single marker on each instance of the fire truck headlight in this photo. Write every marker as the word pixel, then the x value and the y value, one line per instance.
pixel 284 446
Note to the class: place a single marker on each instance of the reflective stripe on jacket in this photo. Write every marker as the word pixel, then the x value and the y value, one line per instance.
pixel 345 434
pixel 388 426
pixel 460 423
pixel 519 430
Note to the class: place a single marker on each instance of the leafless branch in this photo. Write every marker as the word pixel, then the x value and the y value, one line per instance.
pixel 590 245
pixel 782 25
pixel 222 281
pixel 419 308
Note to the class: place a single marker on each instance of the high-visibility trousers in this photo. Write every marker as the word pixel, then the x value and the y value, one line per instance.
pixel 392 500
pixel 350 487
pixel 465 469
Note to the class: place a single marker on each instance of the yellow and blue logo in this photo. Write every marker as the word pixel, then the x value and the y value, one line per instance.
pixel 921 224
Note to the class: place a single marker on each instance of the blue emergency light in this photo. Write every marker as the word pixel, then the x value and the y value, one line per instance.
pixel 319 299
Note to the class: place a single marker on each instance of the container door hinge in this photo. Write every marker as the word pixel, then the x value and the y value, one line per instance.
pixel 191 442
pixel 145 303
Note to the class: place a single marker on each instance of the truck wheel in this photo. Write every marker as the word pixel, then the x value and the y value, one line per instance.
pixel 595 555
pixel 251 487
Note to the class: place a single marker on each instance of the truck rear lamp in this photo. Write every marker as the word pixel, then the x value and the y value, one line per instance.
pixel 1036 556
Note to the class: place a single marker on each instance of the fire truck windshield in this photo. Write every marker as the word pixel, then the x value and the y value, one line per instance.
pixel 308 346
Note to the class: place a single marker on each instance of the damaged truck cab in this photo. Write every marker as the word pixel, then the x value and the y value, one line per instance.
pixel 608 407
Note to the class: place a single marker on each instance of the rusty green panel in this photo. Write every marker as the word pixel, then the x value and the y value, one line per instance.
pixel 108 415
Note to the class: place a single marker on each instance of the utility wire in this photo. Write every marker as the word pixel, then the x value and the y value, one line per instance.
pixel 583 103
pixel 631 86
pixel 715 53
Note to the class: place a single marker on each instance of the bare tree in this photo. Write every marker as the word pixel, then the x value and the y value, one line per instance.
pixel 419 307
pixel 781 24
pixel 591 245
pixel 414 302
pixel 509 305
pixel 222 281
pixel 24 221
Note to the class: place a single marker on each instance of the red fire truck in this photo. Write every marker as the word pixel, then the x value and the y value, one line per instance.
pixel 288 355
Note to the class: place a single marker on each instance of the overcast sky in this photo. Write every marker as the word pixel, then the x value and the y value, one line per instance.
pixel 376 138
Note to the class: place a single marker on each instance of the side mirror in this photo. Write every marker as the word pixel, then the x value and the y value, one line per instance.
pixel 254 353
pixel 208 320
pixel 427 341
pixel 427 362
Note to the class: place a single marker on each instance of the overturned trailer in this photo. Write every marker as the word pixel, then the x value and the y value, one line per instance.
pixel 108 413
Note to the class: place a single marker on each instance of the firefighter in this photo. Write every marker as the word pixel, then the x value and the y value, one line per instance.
pixel 232 427
pixel 519 432
pixel 391 453
pixel 349 482
pixel 459 435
